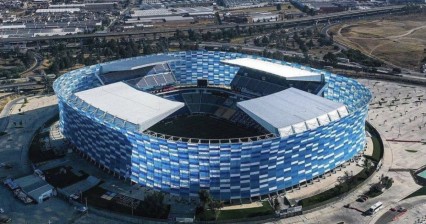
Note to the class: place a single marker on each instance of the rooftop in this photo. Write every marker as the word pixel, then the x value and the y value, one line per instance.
pixel 136 63
pixel 285 71
pixel 134 106
pixel 292 111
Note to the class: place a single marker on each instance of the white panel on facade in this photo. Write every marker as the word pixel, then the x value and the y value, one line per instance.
pixel 299 127
pixel 343 111
pixel 312 123
pixel 324 119
pixel 286 131
pixel 334 115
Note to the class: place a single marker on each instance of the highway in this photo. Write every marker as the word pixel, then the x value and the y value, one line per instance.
pixel 248 47
pixel 17 85
pixel 284 23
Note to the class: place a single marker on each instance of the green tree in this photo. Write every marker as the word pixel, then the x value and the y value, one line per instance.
pixel 330 57
pixel 154 207
pixel 215 206
pixel 205 198
pixel 218 19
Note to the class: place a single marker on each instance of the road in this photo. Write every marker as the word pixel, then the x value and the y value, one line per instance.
pixel 249 47
pixel 38 58
pixel 4 115
pixel 284 23
pixel 409 204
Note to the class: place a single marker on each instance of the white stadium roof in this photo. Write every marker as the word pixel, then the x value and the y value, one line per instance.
pixel 136 63
pixel 285 71
pixel 129 104
pixel 292 111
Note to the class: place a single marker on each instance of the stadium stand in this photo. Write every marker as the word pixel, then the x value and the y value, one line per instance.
pixel 260 84
pixel 155 81
pixel 215 103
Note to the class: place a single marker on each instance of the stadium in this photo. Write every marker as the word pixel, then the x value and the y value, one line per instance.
pixel 240 126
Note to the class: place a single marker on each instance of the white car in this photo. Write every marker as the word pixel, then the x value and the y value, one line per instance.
pixel 81 209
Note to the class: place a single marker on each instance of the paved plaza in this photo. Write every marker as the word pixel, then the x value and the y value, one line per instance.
pixel 401 124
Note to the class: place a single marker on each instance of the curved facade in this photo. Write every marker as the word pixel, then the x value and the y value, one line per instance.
pixel 227 170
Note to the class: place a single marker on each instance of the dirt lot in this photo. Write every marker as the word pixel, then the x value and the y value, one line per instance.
pixel 398 40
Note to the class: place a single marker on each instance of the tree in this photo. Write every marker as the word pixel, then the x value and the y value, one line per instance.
pixel 218 19
pixel 277 206
pixel 310 44
pixel 205 198
pixel 396 70
pixel 154 207
pixel 309 33
pixel 367 163
pixel 330 57
pixel 215 206
pixel 278 7
pixel 265 40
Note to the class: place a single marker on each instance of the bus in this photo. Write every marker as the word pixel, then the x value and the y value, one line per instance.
pixel 375 208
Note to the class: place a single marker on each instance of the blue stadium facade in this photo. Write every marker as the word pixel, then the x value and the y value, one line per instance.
pixel 228 170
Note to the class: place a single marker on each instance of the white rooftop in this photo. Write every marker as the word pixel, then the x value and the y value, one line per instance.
pixel 285 71
pixel 292 111
pixel 134 106
pixel 70 10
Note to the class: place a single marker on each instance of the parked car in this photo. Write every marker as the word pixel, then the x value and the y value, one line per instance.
pixel 362 198
pixel 81 209
pixel 402 209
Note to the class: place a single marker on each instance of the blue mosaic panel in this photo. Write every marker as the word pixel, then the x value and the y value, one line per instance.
pixel 228 170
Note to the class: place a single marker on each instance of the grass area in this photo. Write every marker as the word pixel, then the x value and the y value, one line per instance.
pixel 389 39
pixel 377 146
pixel 419 192
pixel 377 152
pixel 411 150
pixel 326 196
pixel 265 210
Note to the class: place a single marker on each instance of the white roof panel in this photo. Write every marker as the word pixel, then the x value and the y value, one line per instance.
pixel 129 104
pixel 292 110
pixel 285 71
pixel 136 63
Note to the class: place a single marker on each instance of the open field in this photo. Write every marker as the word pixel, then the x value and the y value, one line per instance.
pixel 400 41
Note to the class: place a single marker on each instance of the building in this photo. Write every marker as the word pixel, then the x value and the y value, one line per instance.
pixel 103 6
pixel 35 187
pixel 113 113
pixel 58 10
pixel 405 1
pixel 264 17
